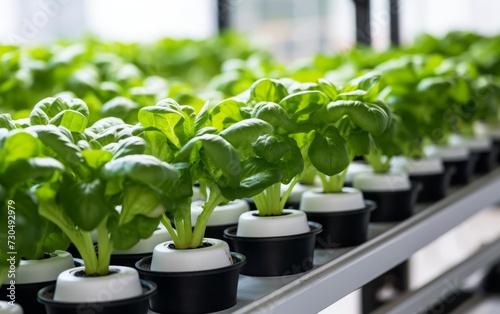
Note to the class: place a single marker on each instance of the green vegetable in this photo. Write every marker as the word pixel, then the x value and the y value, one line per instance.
pixel 105 170
pixel 22 166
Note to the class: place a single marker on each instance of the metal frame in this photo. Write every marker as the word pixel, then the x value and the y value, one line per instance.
pixel 223 14
pixel 363 27
pixel 394 22
pixel 349 269
pixel 449 282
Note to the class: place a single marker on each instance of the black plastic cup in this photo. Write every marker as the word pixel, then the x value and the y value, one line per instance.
pixel 26 293
pixel 276 256
pixel 136 305
pixel 434 186
pixel 486 160
pixel 464 169
pixel 193 291
pixel 343 228
pixel 393 205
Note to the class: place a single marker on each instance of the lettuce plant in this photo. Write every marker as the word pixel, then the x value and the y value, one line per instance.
pixel 104 166
pixel 417 96
pixel 270 157
pixel 178 134
pixel 433 97
pixel 22 167
pixel 346 126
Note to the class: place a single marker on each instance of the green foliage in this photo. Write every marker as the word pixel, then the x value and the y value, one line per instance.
pixel 126 153
pixel 22 166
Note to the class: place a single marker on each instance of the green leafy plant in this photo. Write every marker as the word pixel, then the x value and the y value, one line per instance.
pixel 270 156
pixel 344 127
pixel 177 134
pixel 104 167
pixel 419 98
pixel 22 167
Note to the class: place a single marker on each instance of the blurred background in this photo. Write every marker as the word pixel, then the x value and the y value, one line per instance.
pixel 291 29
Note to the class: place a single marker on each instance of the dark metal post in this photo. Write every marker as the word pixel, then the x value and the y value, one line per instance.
pixel 223 9
pixel 394 13
pixel 363 29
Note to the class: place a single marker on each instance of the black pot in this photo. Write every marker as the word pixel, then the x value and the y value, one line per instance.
pixel 217 232
pixel 393 205
pixel 496 144
pixel 196 291
pixel 292 205
pixel 491 282
pixel 434 186
pixel 136 305
pixel 288 205
pixel 128 260
pixel 251 203
pixel 486 160
pixel 26 293
pixel 73 251
pixel 276 256
pixel 343 228
pixel 464 169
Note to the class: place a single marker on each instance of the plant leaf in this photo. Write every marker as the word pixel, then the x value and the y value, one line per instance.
pixel 162 118
pixel 140 168
pixel 371 117
pixel 274 114
pixel 245 132
pixel 104 124
pixel 304 102
pixel 6 122
pixel 54 140
pixel 226 113
pixel 130 146
pixel 36 168
pixel 84 203
pixel 70 119
pixel 127 235
pixel 96 158
pixel 223 155
pixel 270 147
pixel 268 90
pixel 257 174
pixel 328 153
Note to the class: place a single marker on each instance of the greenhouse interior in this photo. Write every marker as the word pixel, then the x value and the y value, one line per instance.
pixel 265 156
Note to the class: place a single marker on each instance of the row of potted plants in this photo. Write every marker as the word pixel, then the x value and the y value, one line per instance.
pixel 149 170
pixel 113 182
pixel 278 133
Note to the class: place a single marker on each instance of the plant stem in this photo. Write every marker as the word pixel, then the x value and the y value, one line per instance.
pixel 333 184
pixel 88 253
pixel 40 252
pixel 285 196
pixel 168 225
pixel 268 201
pixel 81 239
pixel 179 226
pixel 213 201
pixel 188 228
pixel 203 187
pixel 105 247
pixel 309 176
pixel 379 162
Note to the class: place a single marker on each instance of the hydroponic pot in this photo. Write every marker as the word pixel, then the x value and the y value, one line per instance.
pixel 276 256
pixel 193 291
